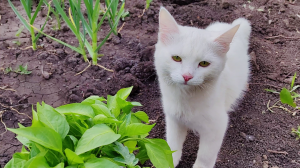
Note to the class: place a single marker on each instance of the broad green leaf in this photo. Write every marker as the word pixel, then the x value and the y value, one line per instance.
pixel 15 163
pixel 100 109
pixel 76 128
pixel 35 120
pixel 109 151
pixel 164 146
pixel 60 165
pixel 70 142
pixel 99 163
pixel 34 151
pixel 125 105
pixel 138 129
pixel 87 156
pixel 124 93
pixel 21 155
pixel 131 145
pixel 52 119
pixel 142 155
pixel 272 91
pixel 157 155
pixel 123 126
pixel 24 140
pixel 113 105
pixel 52 157
pixel 99 119
pixel 127 158
pixel 77 109
pixel 293 80
pixel 23 150
pixel 286 98
pixel 72 157
pixel 134 119
pixel 142 116
pixel 41 135
pixel 94 137
pixel 91 100
pixel 38 161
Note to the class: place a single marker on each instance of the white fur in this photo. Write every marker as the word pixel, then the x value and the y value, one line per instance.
pixel 203 103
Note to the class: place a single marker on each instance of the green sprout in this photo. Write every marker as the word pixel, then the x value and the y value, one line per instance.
pixel 7 70
pixel 296 132
pixel 27 5
pixel 288 96
pixel 76 21
pixel 55 12
pixel 22 70
pixel 148 3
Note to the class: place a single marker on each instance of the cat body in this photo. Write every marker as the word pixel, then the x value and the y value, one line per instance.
pixel 202 73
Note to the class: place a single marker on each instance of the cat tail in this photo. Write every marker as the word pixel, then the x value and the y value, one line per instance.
pixel 244 29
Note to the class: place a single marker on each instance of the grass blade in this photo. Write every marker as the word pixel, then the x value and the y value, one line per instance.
pixel 38 8
pixel 65 17
pixel 27 8
pixel 104 16
pixel 59 41
pixel 19 16
pixel 293 81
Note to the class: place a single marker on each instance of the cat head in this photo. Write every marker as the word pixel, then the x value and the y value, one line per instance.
pixel 189 56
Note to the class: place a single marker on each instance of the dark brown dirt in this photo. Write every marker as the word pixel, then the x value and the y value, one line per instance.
pixel 253 134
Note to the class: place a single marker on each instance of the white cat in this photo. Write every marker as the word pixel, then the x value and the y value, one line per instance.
pixel 202 73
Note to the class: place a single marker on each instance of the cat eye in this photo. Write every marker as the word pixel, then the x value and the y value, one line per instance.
pixel 204 64
pixel 176 58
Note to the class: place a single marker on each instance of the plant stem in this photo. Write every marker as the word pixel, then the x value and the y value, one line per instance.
pixel 32 38
pixel 94 42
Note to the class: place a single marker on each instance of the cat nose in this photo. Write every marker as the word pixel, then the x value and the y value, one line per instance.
pixel 187 77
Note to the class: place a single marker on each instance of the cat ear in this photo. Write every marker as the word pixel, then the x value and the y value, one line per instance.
pixel 167 26
pixel 225 39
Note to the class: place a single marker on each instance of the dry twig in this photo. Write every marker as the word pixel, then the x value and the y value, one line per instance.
pixel 278 152
pixel 282 37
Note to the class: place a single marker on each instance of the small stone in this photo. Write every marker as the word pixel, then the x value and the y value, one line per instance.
pixel 265 164
pixel 227 3
pixel 46 74
pixel 286 21
pixel 265 157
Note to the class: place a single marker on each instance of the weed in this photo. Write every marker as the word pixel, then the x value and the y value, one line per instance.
pixel 90 134
pixel 77 22
pixel 27 5
pixel 296 132
pixel 288 96
pixel 22 70
pixel 7 70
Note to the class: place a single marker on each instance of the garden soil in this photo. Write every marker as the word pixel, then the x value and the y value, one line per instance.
pixel 256 136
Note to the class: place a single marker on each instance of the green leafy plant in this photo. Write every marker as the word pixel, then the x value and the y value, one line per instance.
pixel 148 3
pixel 27 5
pixel 55 12
pixel 288 96
pixel 91 26
pixel 296 132
pixel 97 132
pixel 22 70
pixel 7 70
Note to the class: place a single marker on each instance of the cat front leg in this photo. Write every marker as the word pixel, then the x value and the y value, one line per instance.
pixel 211 138
pixel 176 134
